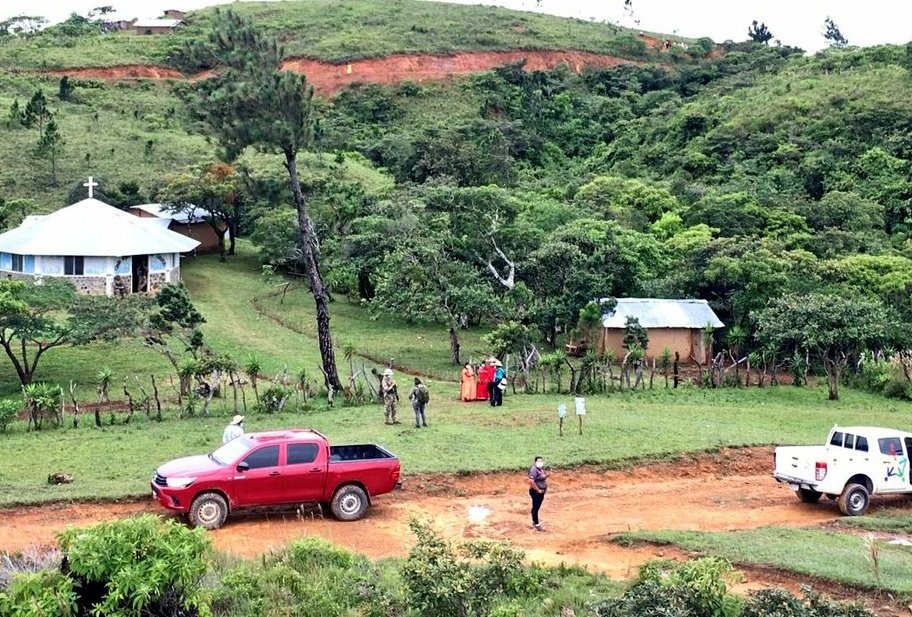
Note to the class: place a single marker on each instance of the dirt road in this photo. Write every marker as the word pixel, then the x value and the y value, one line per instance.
pixel 722 491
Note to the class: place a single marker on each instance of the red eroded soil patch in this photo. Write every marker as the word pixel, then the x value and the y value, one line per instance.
pixel 328 78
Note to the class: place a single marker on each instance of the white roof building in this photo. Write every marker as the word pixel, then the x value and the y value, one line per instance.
pixel 101 249
pixel 662 313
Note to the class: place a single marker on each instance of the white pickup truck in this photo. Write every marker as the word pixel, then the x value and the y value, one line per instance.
pixel 855 463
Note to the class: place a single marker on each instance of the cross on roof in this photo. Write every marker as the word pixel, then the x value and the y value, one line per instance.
pixel 90 185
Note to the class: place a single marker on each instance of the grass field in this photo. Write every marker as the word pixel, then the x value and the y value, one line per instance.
pixel 839 557
pixel 224 294
pixel 115 461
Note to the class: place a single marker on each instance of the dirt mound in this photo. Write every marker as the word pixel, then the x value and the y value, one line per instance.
pixel 328 78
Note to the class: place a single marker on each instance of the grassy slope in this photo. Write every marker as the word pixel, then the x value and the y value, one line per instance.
pixel 116 461
pixel 109 124
pixel 337 30
pixel 839 557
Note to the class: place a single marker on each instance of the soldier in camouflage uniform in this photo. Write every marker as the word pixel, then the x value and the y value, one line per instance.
pixel 390 395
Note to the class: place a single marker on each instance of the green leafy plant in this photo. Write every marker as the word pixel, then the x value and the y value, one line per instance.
pixel 9 409
pixel 137 564
pixel 48 593
pixel 274 399
pixel 444 579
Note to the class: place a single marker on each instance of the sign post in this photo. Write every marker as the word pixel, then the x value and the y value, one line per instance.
pixel 580 403
pixel 561 414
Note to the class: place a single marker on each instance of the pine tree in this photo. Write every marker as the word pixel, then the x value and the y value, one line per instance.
pixel 50 146
pixel 251 103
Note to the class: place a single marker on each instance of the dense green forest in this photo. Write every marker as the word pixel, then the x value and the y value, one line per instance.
pixel 745 175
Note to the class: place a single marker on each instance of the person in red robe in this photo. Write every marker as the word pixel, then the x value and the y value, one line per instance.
pixel 485 376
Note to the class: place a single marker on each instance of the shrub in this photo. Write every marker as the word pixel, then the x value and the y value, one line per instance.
pixel 8 411
pixel 697 588
pixel 274 399
pixel 898 388
pixel 873 374
pixel 781 603
pixel 137 566
pixel 443 579
pixel 48 593
pixel 312 579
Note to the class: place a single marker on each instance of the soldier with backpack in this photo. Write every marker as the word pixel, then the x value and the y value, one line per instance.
pixel 419 395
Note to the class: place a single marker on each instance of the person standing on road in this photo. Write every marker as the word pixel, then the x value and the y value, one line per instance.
pixel 234 429
pixel 419 396
pixel 389 392
pixel 538 486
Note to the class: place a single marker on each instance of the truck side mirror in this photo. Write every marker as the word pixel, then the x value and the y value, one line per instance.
pixel 243 466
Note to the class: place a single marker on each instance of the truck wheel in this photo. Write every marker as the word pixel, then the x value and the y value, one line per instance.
pixel 854 500
pixel 209 511
pixel 349 503
pixel 808 495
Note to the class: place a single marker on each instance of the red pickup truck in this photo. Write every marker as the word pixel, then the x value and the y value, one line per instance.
pixel 274 468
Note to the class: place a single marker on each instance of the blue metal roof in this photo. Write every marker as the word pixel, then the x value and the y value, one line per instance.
pixel 662 313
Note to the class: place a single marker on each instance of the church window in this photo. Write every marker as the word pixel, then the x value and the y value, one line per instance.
pixel 17 263
pixel 73 265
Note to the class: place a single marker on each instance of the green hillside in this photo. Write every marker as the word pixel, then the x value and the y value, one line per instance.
pixel 742 177
pixel 334 31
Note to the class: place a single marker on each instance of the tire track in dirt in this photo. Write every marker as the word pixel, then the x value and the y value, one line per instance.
pixel 329 78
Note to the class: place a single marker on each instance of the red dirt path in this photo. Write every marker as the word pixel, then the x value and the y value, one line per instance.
pixel 328 78
pixel 584 508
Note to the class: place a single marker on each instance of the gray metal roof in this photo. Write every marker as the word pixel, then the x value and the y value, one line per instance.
pixel 661 313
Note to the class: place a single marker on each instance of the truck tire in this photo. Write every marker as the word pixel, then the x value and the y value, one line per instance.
pixel 854 500
pixel 209 511
pixel 808 495
pixel 349 503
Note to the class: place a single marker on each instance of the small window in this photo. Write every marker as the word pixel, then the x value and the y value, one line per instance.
pixel 74 265
pixel 264 457
pixel 861 444
pixel 17 263
pixel 302 453
pixel 836 439
pixel 891 446
pixel 849 441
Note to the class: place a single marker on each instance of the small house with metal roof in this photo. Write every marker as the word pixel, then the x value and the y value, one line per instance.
pixel 191 221
pixel 100 249
pixel 679 325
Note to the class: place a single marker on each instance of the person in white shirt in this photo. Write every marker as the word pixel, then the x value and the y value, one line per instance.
pixel 234 430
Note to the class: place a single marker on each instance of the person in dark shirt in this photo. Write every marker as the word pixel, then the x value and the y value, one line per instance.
pixel 538 485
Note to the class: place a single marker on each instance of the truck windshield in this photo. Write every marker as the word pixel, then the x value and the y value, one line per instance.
pixel 231 451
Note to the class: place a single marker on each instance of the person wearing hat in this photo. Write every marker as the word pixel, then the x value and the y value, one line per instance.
pixel 234 429
pixel 389 392
pixel 498 385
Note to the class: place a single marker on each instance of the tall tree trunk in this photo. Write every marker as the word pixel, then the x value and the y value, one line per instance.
pixel 454 346
pixel 232 235
pixel 321 298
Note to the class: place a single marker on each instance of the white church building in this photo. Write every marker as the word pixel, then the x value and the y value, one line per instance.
pixel 100 249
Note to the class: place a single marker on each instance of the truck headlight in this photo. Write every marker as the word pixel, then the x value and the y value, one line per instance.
pixel 179 482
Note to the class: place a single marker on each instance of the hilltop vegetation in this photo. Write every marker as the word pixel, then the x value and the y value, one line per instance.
pixel 512 198
pixel 330 30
